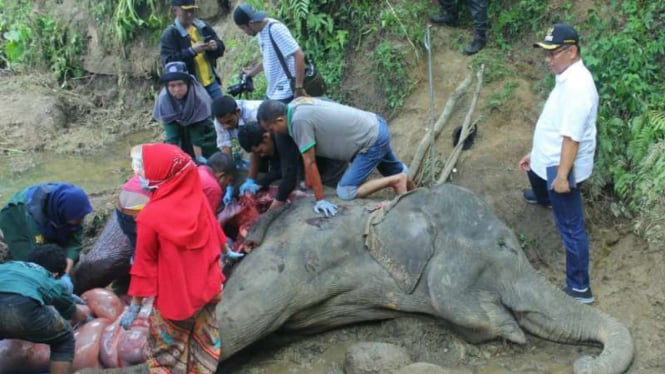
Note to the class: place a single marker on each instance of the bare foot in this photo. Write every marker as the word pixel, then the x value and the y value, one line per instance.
pixel 399 185
pixel 410 184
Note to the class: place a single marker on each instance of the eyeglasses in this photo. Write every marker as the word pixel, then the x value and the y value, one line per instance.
pixel 556 52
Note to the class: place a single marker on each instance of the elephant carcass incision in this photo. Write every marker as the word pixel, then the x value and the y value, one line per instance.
pixel 458 263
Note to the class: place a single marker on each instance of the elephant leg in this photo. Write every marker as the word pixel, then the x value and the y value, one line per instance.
pixel 456 298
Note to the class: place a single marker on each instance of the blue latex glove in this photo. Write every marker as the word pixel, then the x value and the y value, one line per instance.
pixel 228 196
pixel 77 300
pixel 201 160
pixel 129 316
pixel 67 281
pixel 231 255
pixel 325 207
pixel 249 186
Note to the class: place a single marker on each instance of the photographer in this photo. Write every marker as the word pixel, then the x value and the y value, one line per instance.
pixel 230 114
pixel 195 43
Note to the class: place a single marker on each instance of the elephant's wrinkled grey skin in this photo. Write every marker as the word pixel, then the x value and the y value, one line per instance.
pixel 105 261
pixel 312 275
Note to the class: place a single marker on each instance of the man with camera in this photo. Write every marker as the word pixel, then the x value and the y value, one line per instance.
pixel 271 33
pixel 195 43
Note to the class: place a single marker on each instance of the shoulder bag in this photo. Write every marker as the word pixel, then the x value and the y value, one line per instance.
pixel 313 82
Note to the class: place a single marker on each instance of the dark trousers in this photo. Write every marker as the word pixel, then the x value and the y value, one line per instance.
pixel 569 220
pixel 25 318
pixel 478 14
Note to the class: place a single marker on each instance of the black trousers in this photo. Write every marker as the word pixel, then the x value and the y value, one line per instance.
pixel 478 13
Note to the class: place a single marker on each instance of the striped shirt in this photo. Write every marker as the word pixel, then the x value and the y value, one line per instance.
pixel 278 82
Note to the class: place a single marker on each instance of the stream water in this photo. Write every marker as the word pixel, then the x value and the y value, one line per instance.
pixel 95 172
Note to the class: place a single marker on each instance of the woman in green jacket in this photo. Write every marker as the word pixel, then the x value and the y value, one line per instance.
pixel 45 213
pixel 183 107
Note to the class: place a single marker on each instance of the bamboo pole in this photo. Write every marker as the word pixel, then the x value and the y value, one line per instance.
pixel 430 136
pixel 452 160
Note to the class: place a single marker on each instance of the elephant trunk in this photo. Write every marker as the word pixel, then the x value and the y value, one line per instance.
pixel 550 313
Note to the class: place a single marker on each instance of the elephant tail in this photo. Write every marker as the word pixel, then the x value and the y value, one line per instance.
pixel 548 312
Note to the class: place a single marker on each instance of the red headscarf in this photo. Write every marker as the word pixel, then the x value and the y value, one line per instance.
pixel 178 209
pixel 179 262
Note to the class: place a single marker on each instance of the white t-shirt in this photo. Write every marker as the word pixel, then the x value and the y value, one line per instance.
pixel 248 110
pixel 570 110
pixel 278 82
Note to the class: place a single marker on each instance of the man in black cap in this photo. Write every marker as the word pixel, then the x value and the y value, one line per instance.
pixel 561 157
pixel 271 33
pixel 195 43
pixel 448 16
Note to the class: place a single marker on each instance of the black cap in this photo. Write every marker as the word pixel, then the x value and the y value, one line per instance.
pixel 224 105
pixel 175 71
pixel 185 4
pixel 245 13
pixel 557 36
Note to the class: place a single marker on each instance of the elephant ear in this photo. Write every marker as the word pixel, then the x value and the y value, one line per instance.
pixel 401 238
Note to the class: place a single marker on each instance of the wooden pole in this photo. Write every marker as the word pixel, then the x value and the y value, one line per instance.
pixel 430 136
pixel 452 160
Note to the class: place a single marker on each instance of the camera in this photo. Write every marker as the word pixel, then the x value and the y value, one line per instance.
pixel 246 85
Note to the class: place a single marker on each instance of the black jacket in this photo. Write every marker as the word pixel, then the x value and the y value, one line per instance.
pixel 176 45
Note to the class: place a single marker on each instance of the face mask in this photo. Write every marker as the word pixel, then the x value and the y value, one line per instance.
pixel 145 183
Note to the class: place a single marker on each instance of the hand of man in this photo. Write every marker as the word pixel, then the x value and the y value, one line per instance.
pixel 212 45
pixel 231 255
pixel 525 163
pixel 560 185
pixel 249 186
pixel 129 316
pixel 228 196
pixel 67 282
pixel 199 47
pixel 325 207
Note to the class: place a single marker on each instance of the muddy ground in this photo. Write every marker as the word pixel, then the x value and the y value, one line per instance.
pixel 41 122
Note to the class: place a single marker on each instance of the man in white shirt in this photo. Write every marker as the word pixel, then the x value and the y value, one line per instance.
pixel 255 23
pixel 230 114
pixel 561 158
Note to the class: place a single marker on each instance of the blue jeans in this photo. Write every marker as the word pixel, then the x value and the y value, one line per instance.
pixel 569 220
pixel 214 90
pixel 25 318
pixel 379 156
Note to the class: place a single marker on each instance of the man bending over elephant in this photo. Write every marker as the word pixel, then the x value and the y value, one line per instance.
pixel 282 155
pixel 339 132
pixel 28 289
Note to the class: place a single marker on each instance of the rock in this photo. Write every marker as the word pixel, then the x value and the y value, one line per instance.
pixel 426 368
pixel 374 358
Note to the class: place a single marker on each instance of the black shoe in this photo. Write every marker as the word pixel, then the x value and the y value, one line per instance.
pixel 530 197
pixel 584 297
pixel 444 18
pixel 476 45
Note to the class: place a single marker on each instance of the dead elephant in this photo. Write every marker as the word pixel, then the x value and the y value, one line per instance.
pixel 440 252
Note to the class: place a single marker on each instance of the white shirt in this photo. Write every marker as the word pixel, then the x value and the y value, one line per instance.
pixel 248 110
pixel 570 110
pixel 278 83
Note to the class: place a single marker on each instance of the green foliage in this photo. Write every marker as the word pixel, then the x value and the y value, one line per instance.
pixel 628 64
pixel 498 99
pixel 515 18
pixel 34 40
pixel 390 72
pixel 122 20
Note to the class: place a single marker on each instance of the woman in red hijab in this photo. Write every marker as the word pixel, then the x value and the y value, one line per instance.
pixel 177 261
